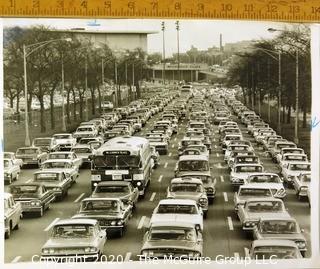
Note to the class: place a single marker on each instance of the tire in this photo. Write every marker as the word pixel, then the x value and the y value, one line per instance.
pixel 39 163
pixel 17 176
pixel 205 214
pixel 41 212
pixel 210 200
pixel 16 227
pixel 8 233
pixel 122 232
pixel 10 179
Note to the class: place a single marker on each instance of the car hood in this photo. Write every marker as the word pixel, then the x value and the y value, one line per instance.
pixel 68 243
pixel 189 218
pixel 258 215
pixel 282 236
pixel 64 141
pixel 121 196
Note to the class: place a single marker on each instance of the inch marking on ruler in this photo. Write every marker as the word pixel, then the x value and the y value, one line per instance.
pixel 219 9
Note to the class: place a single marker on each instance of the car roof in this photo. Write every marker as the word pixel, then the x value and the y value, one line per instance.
pixel 100 199
pixel 177 201
pixel 48 171
pixel 76 221
pixel 114 183
pixel 279 217
pixel 254 185
pixel 172 224
pixel 267 199
pixel 247 164
pixel 63 134
pixel 299 162
pixel 263 173
pixel 58 160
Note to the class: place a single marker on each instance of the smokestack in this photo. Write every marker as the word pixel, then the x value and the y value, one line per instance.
pixel 221 47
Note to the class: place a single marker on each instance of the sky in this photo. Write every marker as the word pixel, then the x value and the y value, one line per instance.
pixel 199 33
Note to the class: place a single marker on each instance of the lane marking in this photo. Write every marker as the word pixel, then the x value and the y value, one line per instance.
pixel 79 198
pixel 51 224
pixel 28 181
pixel 160 178
pixel 230 223
pixel 152 197
pixel 236 255
pixel 165 165
pixel 172 146
pixel 127 257
pixel 141 222
pixel 218 155
pixel 175 139
pixel 170 154
pixel 225 196
pixel 16 259
pixel 215 146
pixel 246 252
pixel 222 178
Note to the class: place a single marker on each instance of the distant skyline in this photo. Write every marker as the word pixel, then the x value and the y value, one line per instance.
pixel 201 34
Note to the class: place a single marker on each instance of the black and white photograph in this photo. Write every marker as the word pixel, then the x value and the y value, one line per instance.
pixel 130 140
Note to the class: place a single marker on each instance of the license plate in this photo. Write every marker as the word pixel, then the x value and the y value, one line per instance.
pixel 117 177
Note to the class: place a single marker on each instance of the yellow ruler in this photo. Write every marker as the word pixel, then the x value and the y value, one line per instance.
pixel 279 10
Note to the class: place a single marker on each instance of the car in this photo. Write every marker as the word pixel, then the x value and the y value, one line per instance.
pixel 160 144
pixel 33 196
pixel 189 188
pixel 107 105
pixel 228 138
pixel 112 214
pixel 57 181
pixel 63 155
pixel 291 157
pixel 12 214
pixel 294 169
pixel 289 150
pixel 172 239
pixel 117 189
pixel 31 155
pixel 85 131
pixel 191 163
pixel 244 160
pixel 171 210
pixel 273 249
pixel 280 228
pixel 64 165
pixel 231 148
pixel 75 239
pixel 248 191
pixel 271 180
pixel 255 208
pixel 45 143
pixel 11 171
pixel 65 141
pixel 83 151
pixel 12 156
pixel 301 184
pixel 275 150
pixel 241 171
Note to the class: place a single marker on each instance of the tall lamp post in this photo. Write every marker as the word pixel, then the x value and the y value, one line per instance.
pixel 163 53
pixel 296 123
pixel 178 44
pixel 64 128
pixel 32 48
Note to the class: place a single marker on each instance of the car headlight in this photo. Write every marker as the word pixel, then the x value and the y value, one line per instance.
pixel 210 189
pixel 203 200
pixel 301 244
pixel 35 203
pixel 57 189
pixel 304 188
pixel 119 222
pixel 139 183
pixel 113 222
pixel 48 250
pixel 281 191
pixel 90 249
pixel 234 179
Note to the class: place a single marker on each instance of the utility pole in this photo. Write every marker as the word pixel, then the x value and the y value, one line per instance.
pixel 178 41
pixel 86 89
pixel 268 87
pixel 296 125
pixel 64 128
pixel 279 93
pixel 163 53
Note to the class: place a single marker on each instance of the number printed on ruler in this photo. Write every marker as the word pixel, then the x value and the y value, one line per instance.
pixel 280 10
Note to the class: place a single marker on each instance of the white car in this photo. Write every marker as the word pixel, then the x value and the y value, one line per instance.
pixel 85 131
pixel 12 156
pixel 11 170
pixel 271 180
pixel 240 172
pixel 65 141
pixel 62 155
pixel 294 169
pixel 287 151
pixel 172 210
pixel 65 165
pixel 107 105
pixel 291 157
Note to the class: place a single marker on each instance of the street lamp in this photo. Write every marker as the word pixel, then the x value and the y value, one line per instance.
pixel 296 124
pixel 86 89
pixel 163 53
pixel 178 29
pixel 33 48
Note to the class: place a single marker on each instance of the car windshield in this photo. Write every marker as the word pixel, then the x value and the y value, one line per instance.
pixel 62 136
pixel 176 209
pixel 193 165
pixel 168 233
pixel 116 160
pixel 300 167
pixel 49 165
pixel 278 227
pixel 26 151
pixel 42 141
pixel 8 155
pixel 248 169
pixel 6 163
pixel 72 231
pixel 46 176
pixel 255 192
pixel 264 179
pixel 297 151
pixel 232 138
pixel 197 125
pixel 247 160
pixel 186 187
pixel 112 189
pixel 280 146
pixel 84 129
pixel 81 150
pixel 275 252
pixel 31 191
pixel 295 158
pixel 110 206
pixel 59 156
pixel 233 148
pixel 265 206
